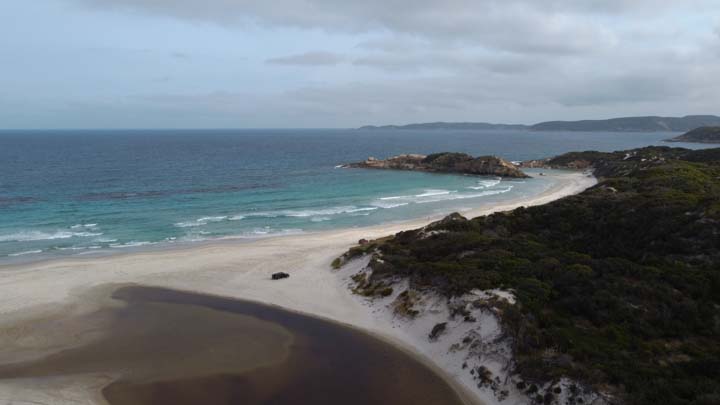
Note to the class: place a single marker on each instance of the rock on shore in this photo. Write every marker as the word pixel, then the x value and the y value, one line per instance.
pixel 445 163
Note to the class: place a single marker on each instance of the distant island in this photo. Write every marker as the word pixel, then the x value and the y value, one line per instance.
pixel 700 135
pixel 449 125
pixel 625 124
pixel 445 162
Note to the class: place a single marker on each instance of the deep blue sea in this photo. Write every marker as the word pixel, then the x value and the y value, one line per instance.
pixel 93 192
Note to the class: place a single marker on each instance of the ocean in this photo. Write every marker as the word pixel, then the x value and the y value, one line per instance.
pixel 91 192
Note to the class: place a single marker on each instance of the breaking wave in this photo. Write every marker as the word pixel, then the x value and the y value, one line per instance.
pixel 28 252
pixel 29 236
pixel 483 184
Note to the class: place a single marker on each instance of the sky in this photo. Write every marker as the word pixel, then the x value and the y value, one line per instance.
pixel 338 64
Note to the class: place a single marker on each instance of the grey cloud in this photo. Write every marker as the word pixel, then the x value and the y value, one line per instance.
pixel 454 60
pixel 161 79
pixel 317 58
pixel 558 26
pixel 180 55
pixel 626 88
pixel 512 65
pixel 391 44
pixel 215 99
pixel 615 7
pixel 466 95
pixel 480 87
pixel 461 96
pixel 471 59
pixel 334 14
pixel 404 62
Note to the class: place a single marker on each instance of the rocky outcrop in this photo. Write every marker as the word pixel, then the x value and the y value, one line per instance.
pixel 445 163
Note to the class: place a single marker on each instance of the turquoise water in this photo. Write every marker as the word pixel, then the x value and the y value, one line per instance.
pixel 94 192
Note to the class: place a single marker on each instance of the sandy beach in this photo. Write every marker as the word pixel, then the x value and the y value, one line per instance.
pixel 49 290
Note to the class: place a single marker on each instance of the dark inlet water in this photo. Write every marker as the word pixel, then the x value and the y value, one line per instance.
pixel 178 348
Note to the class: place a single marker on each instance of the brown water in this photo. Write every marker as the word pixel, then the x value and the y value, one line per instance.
pixel 170 347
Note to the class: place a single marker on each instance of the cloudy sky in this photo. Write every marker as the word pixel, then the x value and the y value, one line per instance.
pixel 336 63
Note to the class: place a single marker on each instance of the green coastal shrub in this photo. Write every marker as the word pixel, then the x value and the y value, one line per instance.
pixel 618 287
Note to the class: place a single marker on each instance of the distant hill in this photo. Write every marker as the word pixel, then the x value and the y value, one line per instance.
pixel 448 125
pixel 632 124
pixel 626 124
pixel 701 135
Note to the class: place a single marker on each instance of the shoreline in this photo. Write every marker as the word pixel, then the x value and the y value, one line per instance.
pixel 394 226
pixel 228 268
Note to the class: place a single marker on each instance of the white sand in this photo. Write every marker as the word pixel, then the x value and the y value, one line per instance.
pixel 235 269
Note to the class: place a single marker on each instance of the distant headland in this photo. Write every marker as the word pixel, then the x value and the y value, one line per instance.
pixel 699 135
pixel 624 124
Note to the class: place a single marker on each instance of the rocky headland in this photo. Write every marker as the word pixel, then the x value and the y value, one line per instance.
pixel 445 162
pixel 700 135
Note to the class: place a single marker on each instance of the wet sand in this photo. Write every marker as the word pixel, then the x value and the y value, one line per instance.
pixel 170 347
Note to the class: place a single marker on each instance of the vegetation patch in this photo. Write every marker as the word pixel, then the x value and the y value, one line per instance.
pixel 355 252
pixel 404 304
pixel 437 330
pixel 617 287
